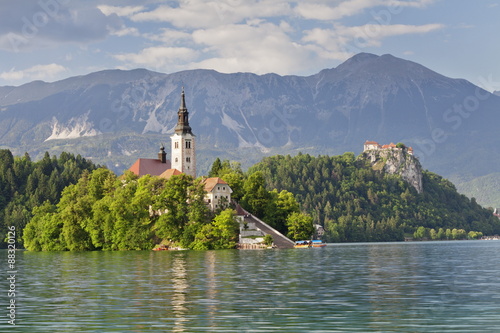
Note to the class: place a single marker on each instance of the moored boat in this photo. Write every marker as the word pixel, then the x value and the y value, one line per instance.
pixel 304 244
pixel 318 243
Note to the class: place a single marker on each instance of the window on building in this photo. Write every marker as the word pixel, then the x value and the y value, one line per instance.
pixel 223 188
pixel 218 188
pixel 215 197
pixel 188 144
pixel 176 145
pixel 188 159
pixel 176 160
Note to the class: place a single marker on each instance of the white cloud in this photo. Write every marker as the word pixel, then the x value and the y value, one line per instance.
pixel 120 11
pixel 342 42
pixel 319 11
pixel 372 34
pixel 28 25
pixel 261 48
pixel 324 10
pixel 205 14
pixel 169 36
pixel 38 72
pixel 124 31
pixel 158 57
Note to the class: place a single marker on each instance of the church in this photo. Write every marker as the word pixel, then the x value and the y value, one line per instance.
pixel 183 152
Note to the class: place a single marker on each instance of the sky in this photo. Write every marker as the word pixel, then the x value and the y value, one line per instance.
pixel 51 40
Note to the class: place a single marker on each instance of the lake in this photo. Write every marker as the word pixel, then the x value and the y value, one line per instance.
pixel 381 287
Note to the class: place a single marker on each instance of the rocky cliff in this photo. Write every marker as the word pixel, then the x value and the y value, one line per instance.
pixel 397 162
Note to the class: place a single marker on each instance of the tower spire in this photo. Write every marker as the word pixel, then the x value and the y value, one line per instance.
pixel 184 142
pixel 183 117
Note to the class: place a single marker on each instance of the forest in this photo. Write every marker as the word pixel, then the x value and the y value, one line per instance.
pixel 68 203
pixel 355 203
pixel 102 211
pixel 25 185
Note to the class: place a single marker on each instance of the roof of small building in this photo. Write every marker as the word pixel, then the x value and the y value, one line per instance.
pixel 169 173
pixel 149 166
pixel 210 183
pixel 371 142
pixel 391 145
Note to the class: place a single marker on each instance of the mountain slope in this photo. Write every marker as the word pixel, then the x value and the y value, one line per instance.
pixel 117 116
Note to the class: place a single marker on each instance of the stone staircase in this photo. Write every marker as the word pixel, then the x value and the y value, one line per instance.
pixel 279 240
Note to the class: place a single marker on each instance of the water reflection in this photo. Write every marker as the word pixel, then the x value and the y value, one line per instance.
pixel 419 287
pixel 211 287
pixel 180 287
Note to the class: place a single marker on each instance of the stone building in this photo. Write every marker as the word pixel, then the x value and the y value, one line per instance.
pixel 218 193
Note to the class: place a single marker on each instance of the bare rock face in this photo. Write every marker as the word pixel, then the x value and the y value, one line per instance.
pixel 399 162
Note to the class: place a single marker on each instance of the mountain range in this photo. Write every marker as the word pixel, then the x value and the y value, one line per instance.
pixel 116 116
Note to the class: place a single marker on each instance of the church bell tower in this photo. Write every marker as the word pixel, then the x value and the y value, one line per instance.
pixel 183 142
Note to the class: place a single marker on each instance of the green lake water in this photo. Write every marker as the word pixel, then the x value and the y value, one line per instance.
pixel 383 287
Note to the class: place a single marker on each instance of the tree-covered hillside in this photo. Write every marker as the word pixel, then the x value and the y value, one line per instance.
pixel 25 184
pixel 105 212
pixel 356 203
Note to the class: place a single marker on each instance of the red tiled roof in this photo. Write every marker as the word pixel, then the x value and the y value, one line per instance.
pixel 371 142
pixel 169 173
pixel 149 166
pixel 211 182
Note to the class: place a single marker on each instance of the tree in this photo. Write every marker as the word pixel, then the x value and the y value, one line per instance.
pixel 300 226
pixel 268 240
pixel 216 168
pixel 256 197
pixel 222 233
pixel 279 207
pixel 420 233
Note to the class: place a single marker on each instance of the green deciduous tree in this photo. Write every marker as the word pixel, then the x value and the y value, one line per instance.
pixel 300 226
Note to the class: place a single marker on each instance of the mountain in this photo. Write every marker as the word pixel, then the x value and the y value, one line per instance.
pixel 114 116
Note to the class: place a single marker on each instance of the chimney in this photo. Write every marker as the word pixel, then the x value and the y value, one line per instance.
pixel 162 155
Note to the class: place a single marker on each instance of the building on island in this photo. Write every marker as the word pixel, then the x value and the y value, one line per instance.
pixel 151 166
pixel 373 145
pixel 183 151
pixel 218 193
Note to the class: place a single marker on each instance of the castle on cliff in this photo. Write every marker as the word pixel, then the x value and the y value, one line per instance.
pixel 373 145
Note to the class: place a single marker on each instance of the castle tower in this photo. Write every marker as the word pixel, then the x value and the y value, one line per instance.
pixel 183 142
